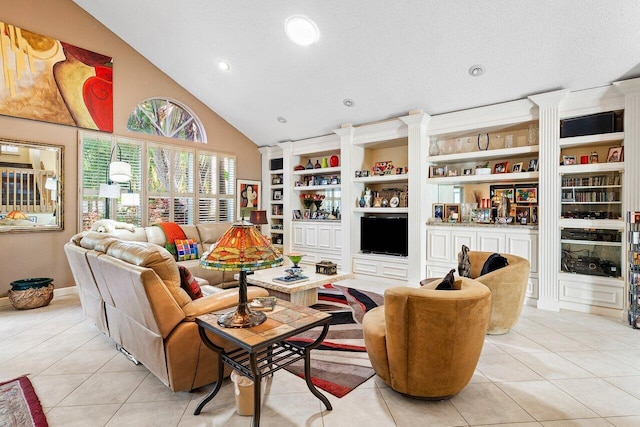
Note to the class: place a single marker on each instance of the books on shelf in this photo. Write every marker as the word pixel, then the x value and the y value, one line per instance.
pixel 287 280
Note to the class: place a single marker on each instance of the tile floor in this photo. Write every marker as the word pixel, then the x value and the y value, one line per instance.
pixel 553 369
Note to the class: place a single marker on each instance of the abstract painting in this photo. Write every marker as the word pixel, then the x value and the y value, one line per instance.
pixel 52 81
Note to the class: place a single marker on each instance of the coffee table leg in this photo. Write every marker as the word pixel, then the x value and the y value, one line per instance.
pixel 216 388
pixel 307 367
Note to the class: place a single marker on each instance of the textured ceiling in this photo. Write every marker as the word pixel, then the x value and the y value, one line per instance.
pixel 390 57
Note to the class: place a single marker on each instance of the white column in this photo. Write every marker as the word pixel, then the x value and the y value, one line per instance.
pixel 417 151
pixel 631 91
pixel 288 194
pixel 549 201
pixel 349 157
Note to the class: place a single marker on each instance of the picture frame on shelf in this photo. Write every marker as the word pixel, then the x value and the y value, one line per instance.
pixel 533 165
pixel 306 213
pixel 523 215
pixel 615 154
pixel 497 191
pixel 517 167
pixel 483 215
pixel 438 171
pixel 247 197
pixel 452 212
pixel 527 194
pixel 568 160
pixel 452 172
pixel 501 167
pixel 437 211
pixel 276 180
pixel 297 215
pixel 277 194
pixel 467 171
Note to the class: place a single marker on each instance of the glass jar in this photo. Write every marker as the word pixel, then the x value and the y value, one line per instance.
pixel 434 150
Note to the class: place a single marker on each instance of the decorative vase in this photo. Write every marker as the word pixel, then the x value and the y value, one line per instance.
pixel 532 134
pixel 334 161
pixel 317 165
pixel 309 165
pixel 483 141
pixel 318 203
pixel 434 150
pixel 295 257
pixel 362 202
pixel 307 203
pixel 325 162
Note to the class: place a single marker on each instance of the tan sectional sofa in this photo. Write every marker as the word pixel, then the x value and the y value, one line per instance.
pixel 131 291
pixel 205 234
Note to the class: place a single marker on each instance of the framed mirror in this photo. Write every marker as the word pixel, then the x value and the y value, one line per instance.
pixel 31 186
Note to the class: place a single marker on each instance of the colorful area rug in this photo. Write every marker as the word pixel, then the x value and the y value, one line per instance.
pixel 340 363
pixel 19 405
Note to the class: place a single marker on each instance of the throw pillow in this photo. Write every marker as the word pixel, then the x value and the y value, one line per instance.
pixel 464 264
pixel 189 283
pixel 447 283
pixel 186 249
pixel 494 262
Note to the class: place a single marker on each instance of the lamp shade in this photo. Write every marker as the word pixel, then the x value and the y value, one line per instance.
pixel 258 217
pixel 120 171
pixel 110 191
pixel 130 199
pixel 242 248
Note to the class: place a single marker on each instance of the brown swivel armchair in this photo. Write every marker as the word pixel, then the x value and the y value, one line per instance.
pixel 426 343
pixel 508 287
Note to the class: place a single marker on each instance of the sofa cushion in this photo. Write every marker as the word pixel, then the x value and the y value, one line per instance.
pixel 189 283
pixel 494 262
pixel 186 249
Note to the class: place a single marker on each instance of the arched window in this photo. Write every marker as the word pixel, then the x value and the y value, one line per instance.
pixel 161 116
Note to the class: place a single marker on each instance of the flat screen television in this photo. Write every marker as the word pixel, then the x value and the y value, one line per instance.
pixel 384 235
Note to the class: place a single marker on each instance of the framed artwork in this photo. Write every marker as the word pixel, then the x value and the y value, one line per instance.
pixel 247 197
pixel 297 214
pixel 497 191
pixel 438 211
pixel 438 171
pixel 615 154
pixel 452 212
pixel 569 160
pixel 502 167
pixel 517 167
pixel 306 213
pixel 467 171
pixel 276 180
pixel 277 194
pixel 533 165
pixel 527 195
pixel 523 215
pixel 53 81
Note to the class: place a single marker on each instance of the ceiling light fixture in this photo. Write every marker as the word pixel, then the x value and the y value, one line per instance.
pixel 349 102
pixel 301 30
pixel 223 65
pixel 282 119
pixel 476 70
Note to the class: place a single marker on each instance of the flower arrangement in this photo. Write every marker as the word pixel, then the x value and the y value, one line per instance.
pixel 309 199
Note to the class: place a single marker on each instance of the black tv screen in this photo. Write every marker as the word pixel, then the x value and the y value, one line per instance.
pixel 384 235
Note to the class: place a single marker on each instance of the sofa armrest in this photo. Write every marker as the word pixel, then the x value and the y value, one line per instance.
pixel 219 301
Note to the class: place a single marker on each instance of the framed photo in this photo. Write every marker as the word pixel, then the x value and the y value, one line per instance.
pixel 247 197
pixel 452 172
pixel 467 171
pixel 276 180
pixel 438 171
pixel 523 215
pixel 569 160
pixel 438 211
pixel 533 165
pixel 306 213
pixel 517 167
pixel 297 214
pixel 527 195
pixel 484 216
pixel 502 167
pixel 452 212
pixel 277 194
pixel 615 154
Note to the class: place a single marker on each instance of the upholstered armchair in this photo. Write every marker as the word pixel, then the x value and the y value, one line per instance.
pixel 508 287
pixel 425 342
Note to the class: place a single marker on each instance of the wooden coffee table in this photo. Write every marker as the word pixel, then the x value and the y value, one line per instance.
pixel 299 293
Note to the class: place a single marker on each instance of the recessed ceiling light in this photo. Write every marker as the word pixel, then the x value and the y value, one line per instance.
pixel 223 65
pixel 349 102
pixel 301 30
pixel 476 70
pixel 282 119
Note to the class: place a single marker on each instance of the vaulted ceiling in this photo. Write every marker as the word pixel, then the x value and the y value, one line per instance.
pixel 389 57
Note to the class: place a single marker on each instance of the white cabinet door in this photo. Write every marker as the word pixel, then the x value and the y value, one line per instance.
pixel 311 236
pixel 298 234
pixel 324 237
pixel 525 246
pixel 463 237
pixel 337 239
pixel 491 241
pixel 439 246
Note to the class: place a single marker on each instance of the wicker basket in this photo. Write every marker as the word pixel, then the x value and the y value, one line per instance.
pixel 31 297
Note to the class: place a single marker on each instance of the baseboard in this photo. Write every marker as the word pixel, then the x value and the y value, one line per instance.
pixel 69 290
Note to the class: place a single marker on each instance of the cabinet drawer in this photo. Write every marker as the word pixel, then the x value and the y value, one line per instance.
pixel 591 294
